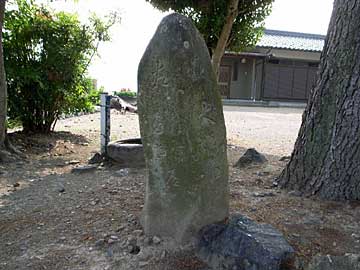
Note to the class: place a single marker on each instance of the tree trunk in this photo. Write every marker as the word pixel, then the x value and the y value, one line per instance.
pixel 224 36
pixel 3 91
pixel 326 158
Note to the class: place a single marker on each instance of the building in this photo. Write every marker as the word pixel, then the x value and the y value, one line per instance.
pixel 282 67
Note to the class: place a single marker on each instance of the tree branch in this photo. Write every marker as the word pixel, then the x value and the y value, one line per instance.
pixel 232 13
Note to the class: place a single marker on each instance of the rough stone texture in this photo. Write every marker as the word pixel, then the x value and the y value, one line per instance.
pixel 251 156
pixel 347 262
pixel 243 244
pixel 183 131
pixel 129 153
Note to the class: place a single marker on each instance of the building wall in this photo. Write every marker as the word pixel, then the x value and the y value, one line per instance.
pixel 291 79
pixel 242 76
pixel 259 66
pixel 286 79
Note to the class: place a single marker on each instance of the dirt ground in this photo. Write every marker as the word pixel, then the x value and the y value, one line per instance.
pixel 53 218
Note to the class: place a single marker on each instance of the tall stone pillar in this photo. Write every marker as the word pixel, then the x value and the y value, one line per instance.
pixel 183 133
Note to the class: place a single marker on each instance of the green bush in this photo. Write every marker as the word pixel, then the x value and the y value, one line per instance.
pixel 46 59
pixel 125 93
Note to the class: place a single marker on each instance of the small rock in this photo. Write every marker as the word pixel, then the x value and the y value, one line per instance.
pixel 60 188
pixel 95 202
pixel 84 169
pixel 122 172
pixel 156 240
pixel 131 241
pixel 263 173
pixel 137 233
pixel 251 156
pixel 263 194
pixel 111 241
pixel 163 255
pixel 135 250
pixel 100 242
pixel 73 162
pixel 142 264
pixel 97 158
pixel 16 185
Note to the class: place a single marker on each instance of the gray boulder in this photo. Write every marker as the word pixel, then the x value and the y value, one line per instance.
pixel 346 262
pixel 243 244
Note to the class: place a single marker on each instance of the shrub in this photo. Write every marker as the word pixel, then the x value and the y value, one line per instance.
pixel 46 57
pixel 125 92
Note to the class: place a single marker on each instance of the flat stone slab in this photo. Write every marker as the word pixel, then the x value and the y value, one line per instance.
pixel 243 244
pixel 129 153
pixel 328 262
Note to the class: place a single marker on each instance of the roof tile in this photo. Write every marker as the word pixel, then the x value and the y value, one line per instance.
pixel 291 40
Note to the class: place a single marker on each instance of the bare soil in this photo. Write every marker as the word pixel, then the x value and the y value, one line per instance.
pixel 52 218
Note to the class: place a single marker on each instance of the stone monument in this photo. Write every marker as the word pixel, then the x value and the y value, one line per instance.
pixel 183 133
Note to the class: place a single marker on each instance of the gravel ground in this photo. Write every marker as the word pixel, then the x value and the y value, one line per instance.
pixel 53 218
pixel 270 130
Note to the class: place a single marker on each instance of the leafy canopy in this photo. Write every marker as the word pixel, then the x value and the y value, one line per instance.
pixel 46 59
pixel 210 16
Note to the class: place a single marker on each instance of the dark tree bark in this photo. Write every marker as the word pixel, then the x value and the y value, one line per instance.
pixel 326 158
pixel 3 91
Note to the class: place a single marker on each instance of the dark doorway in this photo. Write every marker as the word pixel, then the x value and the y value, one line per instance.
pixel 224 80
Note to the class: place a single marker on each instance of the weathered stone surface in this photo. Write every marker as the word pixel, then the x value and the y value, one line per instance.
pixel 243 244
pixel 129 153
pixel 347 262
pixel 183 132
pixel 251 156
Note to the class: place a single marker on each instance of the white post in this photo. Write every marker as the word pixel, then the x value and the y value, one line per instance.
pixel 104 122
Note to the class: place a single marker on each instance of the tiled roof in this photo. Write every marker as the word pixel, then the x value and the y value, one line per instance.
pixel 291 41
